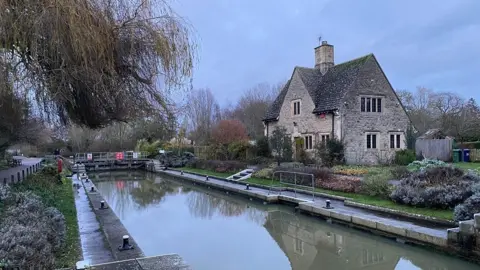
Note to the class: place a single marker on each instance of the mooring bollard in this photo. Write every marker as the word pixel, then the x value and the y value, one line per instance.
pixel 102 204
pixel 86 180
pixel 125 245
pixel 92 189
pixel 181 172
pixel 247 187
pixel 206 178
pixel 327 204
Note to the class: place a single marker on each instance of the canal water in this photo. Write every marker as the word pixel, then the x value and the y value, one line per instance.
pixel 212 230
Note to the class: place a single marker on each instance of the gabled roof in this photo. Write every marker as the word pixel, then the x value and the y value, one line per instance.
pixel 328 90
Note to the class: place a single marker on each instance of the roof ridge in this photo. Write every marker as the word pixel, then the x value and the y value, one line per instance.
pixel 355 59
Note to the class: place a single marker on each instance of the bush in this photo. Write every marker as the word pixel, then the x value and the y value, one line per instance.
pixel 331 153
pixel 232 166
pixel 30 233
pixel 237 150
pixel 263 161
pixel 438 187
pixel 265 173
pixel 263 148
pixel 350 171
pixel 466 210
pixel 421 165
pixel 341 183
pixel 376 185
pixel 400 172
pixel 404 157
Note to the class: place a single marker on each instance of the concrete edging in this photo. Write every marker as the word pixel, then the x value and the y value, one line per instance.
pixel 405 234
pixel 111 225
pixel 394 212
pixel 348 202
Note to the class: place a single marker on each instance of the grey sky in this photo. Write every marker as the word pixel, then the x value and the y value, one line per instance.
pixel 431 43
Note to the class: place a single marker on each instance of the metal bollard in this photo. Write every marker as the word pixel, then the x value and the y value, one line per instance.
pixel 327 204
pixel 247 187
pixel 181 172
pixel 206 178
pixel 102 204
pixel 87 180
pixel 125 244
pixel 92 189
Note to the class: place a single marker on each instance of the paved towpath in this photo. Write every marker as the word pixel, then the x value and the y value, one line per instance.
pixel 338 206
pixel 94 247
pixel 26 164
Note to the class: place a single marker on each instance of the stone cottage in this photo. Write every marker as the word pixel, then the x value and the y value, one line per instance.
pixel 352 101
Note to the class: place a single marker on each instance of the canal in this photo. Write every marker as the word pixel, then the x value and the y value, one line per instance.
pixel 212 230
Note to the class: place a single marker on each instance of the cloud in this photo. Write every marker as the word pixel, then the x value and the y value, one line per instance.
pixel 423 43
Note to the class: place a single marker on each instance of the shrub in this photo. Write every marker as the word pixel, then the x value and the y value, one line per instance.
pixel 232 166
pixel 331 153
pixel 350 171
pixel 376 185
pixel 151 148
pixel 467 209
pixel 281 144
pixel 421 165
pixel 404 157
pixel 237 150
pixel 262 161
pixel 263 148
pixel 400 172
pixel 265 173
pixel 292 165
pixel 30 233
pixel 438 187
pixel 341 183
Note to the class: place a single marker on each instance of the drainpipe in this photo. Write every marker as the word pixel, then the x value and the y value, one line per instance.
pixel 333 125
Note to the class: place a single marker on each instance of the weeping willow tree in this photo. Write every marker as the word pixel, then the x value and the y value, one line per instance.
pixel 94 62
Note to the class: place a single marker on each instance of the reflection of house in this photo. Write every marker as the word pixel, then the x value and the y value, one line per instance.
pixel 310 247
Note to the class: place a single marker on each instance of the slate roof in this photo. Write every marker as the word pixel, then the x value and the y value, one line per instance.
pixel 327 91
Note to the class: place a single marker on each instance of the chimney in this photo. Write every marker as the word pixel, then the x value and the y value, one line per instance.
pixel 324 57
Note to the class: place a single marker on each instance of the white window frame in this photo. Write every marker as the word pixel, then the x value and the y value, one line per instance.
pixel 366 103
pixel 397 140
pixel 308 145
pixel 324 137
pixel 294 111
pixel 377 140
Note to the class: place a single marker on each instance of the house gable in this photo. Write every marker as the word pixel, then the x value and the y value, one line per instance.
pixel 372 83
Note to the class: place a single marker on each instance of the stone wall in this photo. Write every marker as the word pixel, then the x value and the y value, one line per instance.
pixel 307 123
pixel 393 118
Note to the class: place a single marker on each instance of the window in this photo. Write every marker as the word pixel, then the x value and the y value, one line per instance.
pixel 368 104
pixel 325 138
pixel 296 107
pixel 308 142
pixel 371 141
pixel 395 141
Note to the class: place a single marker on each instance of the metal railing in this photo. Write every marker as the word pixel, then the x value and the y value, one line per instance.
pixel 296 183
pixel 107 156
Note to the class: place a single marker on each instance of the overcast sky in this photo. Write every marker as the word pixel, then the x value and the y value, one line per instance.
pixel 431 43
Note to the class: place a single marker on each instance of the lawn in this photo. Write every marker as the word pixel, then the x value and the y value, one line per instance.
pixel 61 197
pixel 360 198
pixel 207 172
pixel 467 165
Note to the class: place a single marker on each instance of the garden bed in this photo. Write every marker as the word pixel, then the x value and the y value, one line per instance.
pixel 60 196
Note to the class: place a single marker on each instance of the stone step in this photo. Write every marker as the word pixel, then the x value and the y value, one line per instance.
pixel 236 177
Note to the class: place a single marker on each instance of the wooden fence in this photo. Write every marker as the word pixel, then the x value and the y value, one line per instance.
pixel 440 149
pixel 475 155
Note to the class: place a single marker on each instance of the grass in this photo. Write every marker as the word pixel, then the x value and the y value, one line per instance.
pixel 467 165
pixel 60 196
pixel 370 200
pixel 207 172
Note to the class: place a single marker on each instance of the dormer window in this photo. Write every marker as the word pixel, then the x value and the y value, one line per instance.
pixel 371 104
pixel 296 107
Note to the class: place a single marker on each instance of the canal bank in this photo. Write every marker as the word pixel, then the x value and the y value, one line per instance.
pixel 398 227
pixel 215 230
pixel 106 243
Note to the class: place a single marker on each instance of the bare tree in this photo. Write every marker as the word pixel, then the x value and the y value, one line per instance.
pixel 203 113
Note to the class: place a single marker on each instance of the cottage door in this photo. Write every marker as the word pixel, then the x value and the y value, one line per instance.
pixel 299 144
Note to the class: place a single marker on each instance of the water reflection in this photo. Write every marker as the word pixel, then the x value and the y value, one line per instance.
pixel 214 231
